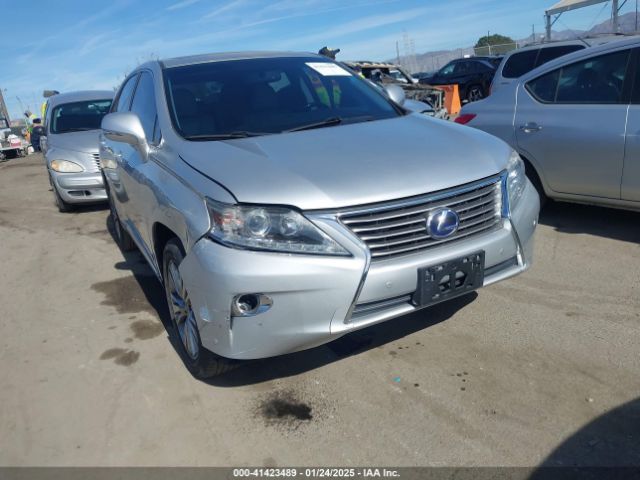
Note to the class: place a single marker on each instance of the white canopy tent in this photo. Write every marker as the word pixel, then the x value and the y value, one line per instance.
pixel 567 5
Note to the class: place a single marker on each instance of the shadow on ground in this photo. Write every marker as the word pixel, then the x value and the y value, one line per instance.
pixel 257 371
pixel 90 207
pixel 153 291
pixel 603 222
pixel 611 440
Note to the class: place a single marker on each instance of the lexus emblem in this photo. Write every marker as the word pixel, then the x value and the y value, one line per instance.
pixel 442 223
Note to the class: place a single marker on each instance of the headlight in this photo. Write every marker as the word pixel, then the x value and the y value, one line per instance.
pixel 275 229
pixel 516 179
pixel 65 166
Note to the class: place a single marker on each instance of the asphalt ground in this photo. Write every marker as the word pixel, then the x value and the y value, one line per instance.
pixel 542 369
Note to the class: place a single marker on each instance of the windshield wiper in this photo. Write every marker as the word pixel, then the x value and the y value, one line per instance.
pixel 325 123
pixel 224 136
pixel 78 130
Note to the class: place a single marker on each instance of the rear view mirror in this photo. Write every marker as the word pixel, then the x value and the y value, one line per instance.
pixel 395 93
pixel 124 127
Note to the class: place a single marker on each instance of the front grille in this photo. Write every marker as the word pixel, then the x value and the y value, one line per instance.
pixel 96 160
pixel 399 227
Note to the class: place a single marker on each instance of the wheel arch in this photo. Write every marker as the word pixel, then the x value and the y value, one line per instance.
pixel 161 234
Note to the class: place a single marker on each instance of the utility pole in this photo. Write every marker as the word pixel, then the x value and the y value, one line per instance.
pixel 488 42
pixel 533 32
pixel 24 116
pixel 3 107
pixel 636 16
pixel 614 14
pixel 398 52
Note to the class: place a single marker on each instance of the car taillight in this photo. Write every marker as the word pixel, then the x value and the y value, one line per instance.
pixel 465 118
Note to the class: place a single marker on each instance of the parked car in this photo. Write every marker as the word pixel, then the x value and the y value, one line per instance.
pixel 284 202
pixel 418 76
pixel 518 62
pixel 71 148
pixel 472 75
pixel 576 123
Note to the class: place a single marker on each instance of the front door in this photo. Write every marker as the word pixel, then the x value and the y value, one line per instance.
pixel 570 123
pixel 630 188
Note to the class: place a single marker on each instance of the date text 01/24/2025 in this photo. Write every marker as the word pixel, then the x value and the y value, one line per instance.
pixel 316 472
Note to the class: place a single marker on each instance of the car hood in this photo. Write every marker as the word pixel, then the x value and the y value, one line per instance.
pixel 350 165
pixel 86 142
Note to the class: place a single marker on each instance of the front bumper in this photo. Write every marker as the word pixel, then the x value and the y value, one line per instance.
pixel 84 187
pixel 318 299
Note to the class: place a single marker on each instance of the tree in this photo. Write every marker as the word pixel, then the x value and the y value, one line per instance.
pixel 493 44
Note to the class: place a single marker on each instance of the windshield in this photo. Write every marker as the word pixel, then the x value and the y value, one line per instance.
pixel 79 116
pixel 268 95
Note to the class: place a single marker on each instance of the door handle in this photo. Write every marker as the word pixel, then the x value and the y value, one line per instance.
pixel 530 127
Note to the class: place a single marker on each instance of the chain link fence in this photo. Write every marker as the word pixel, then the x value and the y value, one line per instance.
pixel 434 62
pixel 490 50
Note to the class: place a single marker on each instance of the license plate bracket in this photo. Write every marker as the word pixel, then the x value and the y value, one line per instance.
pixel 450 279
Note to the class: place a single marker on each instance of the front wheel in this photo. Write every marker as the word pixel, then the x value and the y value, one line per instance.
pixel 63 206
pixel 475 93
pixel 201 362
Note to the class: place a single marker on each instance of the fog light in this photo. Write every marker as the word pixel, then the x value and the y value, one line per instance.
pixel 250 304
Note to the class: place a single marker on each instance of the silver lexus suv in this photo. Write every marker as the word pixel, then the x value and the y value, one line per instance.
pixel 283 202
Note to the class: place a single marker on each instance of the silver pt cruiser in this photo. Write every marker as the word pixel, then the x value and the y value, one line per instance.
pixel 283 202
pixel 72 128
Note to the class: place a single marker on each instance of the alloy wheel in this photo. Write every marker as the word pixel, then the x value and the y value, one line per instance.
pixel 182 312
pixel 475 94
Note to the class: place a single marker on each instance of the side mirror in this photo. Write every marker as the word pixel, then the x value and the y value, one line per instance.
pixel 124 127
pixel 395 93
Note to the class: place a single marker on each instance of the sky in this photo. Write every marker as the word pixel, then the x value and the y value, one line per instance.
pixel 80 45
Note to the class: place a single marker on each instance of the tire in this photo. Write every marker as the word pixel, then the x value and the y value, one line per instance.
pixel 63 206
pixel 474 93
pixel 123 239
pixel 200 362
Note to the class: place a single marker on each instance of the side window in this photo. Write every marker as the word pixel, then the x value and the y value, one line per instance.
pixel 597 80
pixel 635 94
pixel 519 63
pixel 480 67
pixel 447 70
pixel 544 88
pixel 474 67
pixel 462 68
pixel 144 104
pixel 124 97
pixel 550 53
